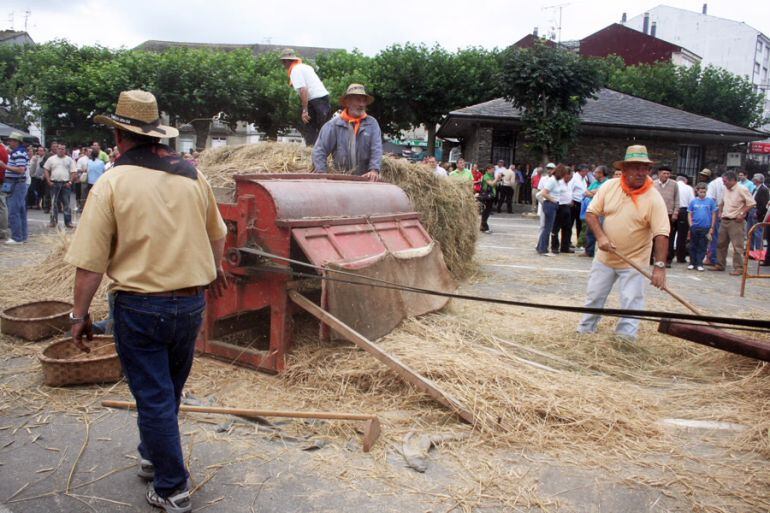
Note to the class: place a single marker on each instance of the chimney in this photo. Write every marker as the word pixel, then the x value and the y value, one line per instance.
pixel 705 8
pixel 623 19
pixel 652 28
pixel 534 32
pixel 646 23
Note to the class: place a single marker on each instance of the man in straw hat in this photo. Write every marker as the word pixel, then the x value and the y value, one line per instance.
pixel 635 220
pixel 15 188
pixel 316 109
pixel 354 138
pixel 152 225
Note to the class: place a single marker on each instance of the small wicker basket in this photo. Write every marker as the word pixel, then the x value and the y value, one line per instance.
pixel 64 364
pixel 36 320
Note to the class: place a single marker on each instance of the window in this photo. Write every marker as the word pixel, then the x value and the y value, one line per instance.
pixel 689 160
pixel 502 147
pixel 756 69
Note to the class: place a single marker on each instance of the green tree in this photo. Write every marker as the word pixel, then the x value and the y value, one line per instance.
pixel 341 68
pixel 194 85
pixel 15 110
pixel 709 91
pixel 550 86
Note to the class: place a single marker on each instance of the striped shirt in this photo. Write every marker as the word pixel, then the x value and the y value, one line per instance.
pixel 18 158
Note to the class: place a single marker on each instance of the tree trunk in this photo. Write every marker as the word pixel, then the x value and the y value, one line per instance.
pixel 431 139
pixel 202 128
pixel 172 143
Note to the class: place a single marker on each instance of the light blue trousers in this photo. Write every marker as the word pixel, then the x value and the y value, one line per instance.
pixel 600 282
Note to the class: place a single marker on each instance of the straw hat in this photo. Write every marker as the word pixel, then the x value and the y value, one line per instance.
pixel 288 55
pixel 357 90
pixel 706 172
pixel 137 111
pixel 16 136
pixel 635 153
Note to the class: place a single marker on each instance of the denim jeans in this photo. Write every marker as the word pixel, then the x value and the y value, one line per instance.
pixel 549 215
pixel 712 248
pixel 60 201
pixel 17 210
pixel 756 238
pixel 155 339
pixel 698 244
pixel 4 232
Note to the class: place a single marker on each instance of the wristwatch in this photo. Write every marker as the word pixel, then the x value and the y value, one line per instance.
pixel 660 264
pixel 78 320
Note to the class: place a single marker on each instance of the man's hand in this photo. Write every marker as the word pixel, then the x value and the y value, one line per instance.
pixel 50 183
pixel 659 277
pixel 305 116
pixel 218 286
pixel 83 328
pixel 605 244
pixel 68 184
pixel 372 176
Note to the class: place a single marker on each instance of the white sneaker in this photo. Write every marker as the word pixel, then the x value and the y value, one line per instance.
pixel 691 267
pixel 178 502
pixel 700 268
pixel 13 242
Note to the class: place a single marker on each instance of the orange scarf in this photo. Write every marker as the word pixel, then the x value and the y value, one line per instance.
pixel 298 61
pixel 635 193
pixel 350 119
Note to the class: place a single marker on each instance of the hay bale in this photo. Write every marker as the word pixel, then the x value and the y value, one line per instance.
pixel 448 211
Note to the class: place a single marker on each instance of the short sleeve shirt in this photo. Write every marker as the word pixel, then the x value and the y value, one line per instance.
pixel 631 227
pixel 303 75
pixel 60 167
pixel 148 230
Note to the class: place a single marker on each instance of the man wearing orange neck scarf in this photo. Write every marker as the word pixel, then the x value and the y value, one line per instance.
pixel 353 138
pixel 635 222
pixel 316 109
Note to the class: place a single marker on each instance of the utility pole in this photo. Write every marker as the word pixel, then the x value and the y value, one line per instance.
pixel 553 8
pixel 27 14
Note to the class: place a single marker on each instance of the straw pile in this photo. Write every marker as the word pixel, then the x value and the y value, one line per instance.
pixel 448 212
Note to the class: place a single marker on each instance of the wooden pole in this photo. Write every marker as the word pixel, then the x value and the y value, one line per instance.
pixel 409 375
pixel 649 277
pixel 371 429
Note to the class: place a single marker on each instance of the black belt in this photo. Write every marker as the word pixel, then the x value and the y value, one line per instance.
pixel 15 178
pixel 320 99
pixel 187 291
pixel 60 181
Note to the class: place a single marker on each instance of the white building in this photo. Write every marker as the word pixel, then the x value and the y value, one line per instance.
pixel 732 45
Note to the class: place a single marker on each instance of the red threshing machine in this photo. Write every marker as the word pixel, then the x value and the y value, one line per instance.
pixel 335 221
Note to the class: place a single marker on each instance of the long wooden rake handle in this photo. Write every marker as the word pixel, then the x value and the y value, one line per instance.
pixel 647 275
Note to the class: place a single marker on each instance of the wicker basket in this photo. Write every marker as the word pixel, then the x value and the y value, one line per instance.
pixel 64 364
pixel 36 320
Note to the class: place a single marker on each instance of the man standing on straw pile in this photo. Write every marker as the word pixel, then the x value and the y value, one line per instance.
pixel 635 220
pixel 152 224
pixel 316 109
pixel 354 138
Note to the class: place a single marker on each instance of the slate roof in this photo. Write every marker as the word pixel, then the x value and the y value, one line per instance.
pixel 309 52
pixel 615 109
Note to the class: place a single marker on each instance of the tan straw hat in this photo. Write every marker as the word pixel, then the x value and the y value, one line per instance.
pixel 288 55
pixel 16 136
pixel 706 172
pixel 636 153
pixel 137 111
pixel 357 90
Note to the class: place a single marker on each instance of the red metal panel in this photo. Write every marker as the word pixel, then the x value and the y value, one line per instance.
pixel 336 243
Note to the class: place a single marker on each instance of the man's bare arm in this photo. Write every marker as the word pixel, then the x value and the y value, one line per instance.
pixel 86 284
pixel 219 284
pixel 660 252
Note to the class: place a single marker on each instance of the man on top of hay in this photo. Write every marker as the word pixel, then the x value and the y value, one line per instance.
pixel 354 138
pixel 635 220
pixel 152 224
pixel 316 109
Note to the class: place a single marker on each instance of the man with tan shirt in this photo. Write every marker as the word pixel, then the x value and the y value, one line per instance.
pixel 669 191
pixel 736 203
pixel 635 220
pixel 152 225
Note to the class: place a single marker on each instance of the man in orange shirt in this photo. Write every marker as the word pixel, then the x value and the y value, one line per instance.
pixel 635 220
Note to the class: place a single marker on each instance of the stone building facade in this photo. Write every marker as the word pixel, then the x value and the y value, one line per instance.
pixel 687 142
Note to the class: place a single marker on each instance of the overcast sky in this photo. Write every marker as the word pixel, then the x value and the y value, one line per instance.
pixel 366 25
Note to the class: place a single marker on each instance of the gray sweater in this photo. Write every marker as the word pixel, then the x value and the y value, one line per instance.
pixel 359 153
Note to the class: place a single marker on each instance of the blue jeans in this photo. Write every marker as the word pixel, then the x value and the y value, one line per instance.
pixel 60 201
pixel 756 238
pixel 549 213
pixel 17 210
pixel 712 248
pixel 155 339
pixel 698 244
